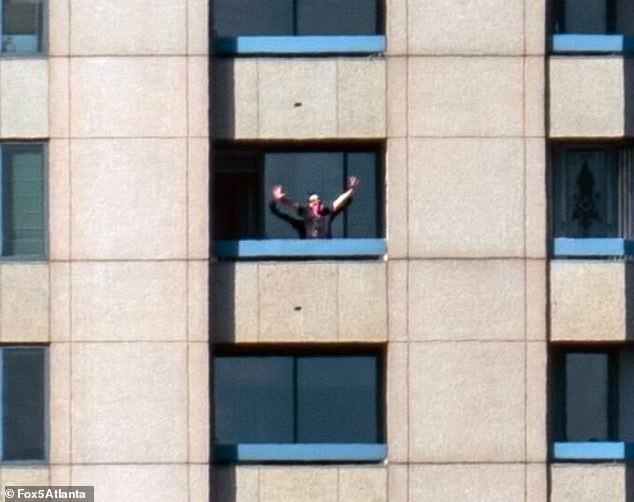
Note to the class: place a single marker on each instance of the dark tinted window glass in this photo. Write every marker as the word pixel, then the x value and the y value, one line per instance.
pixel 337 400
pixel 243 183
pixel 253 17
pixel 23 401
pixel 587 397
pixel 253 400
pixel 336 17
pixel 21 25
pixel 23 200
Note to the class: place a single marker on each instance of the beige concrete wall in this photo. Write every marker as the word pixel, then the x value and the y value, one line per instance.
pixel 125 295
pixel 587 96
pixel 586 483
pixel 588 300
pixel 297 98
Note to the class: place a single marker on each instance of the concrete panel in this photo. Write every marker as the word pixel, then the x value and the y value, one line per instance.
pixel 129 301
pixel 59 97
pixel 122 27
pixel 396 27
pixel 23 476
pixel 536 401
pixel 236 308
pixel 111 387
pixel 59 199
pixel 588 483
pixel 397 195
pixel 198 95
pixel 129 199
pixel 535 27
pixel 480 384
pixel 131 96
pixel 59 28
pixel 198 198
pixel 534 96
pixel 537 482
pixel 235 483
pixel 60 475
pixel 361 98
pixel 398 483
pixel 60 294
pixel 536 190
pixel 297 98
pixel 365 321
pixel 466 198
pixel 298 302
pixel 235 98
pixel 298 484
pixel 199 487
pixel 453 96
pixel 397 402
pixel 576 315
pixel 368 484
pixel 476 483
pixel 458 27
pixel 198 27
pixel 24 98
pixel 396 97
pixel 199 392
pixel 586 96
pixel 198 296
pixel 24 303
pixel 466 300
pixel 536 300
pixel 397 295
pixel 135 483
pixel 59 403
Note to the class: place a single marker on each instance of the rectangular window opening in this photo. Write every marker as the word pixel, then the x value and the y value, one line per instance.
pixel 22 26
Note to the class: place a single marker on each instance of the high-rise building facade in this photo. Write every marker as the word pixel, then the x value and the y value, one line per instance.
pixel 459 329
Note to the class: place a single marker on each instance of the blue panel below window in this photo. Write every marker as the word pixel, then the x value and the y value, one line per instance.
pixel 593 450
pixel 300 248
pixel 302 452
pixel 565 246
pixel 586 43
pixel 352 44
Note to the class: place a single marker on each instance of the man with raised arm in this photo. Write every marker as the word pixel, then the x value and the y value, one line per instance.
pixel 313 220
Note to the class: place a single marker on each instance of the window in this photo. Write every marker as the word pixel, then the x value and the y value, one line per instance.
pixel 592 401
pixel 22 22
pixel 593 25
pixel 22 204
pixel 593 186
pixel 298 26
pixel 23 403
pixel 243 209
pixel 284 406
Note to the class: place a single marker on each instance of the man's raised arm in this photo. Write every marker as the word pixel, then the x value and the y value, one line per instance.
pixel 345 198
pixel 280 196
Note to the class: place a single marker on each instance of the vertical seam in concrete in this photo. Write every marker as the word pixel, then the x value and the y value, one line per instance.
pixel 258 126
pixel 337 316
pixel 407 251
pixel 70 249
pixel 526 235
pixel 187 261
pixel 258 304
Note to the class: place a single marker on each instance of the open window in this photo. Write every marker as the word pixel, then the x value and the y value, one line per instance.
pixel 248 224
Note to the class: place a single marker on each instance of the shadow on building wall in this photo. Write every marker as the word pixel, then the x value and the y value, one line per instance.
pixel 222 274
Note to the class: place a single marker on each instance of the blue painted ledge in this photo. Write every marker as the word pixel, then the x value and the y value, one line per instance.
pixel 565 246
pixel 586 43
pixel 302 452
pixel 336 44
pixel 300 248
pixel 593 450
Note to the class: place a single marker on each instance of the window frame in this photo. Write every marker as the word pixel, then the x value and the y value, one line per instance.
pixel 302 452
pixel 613 447
pixel 46 401
pixel 621 245
pixel 41 36
pixel 45 198
pixel 300 44
pixel 296 248
pixel 610 42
